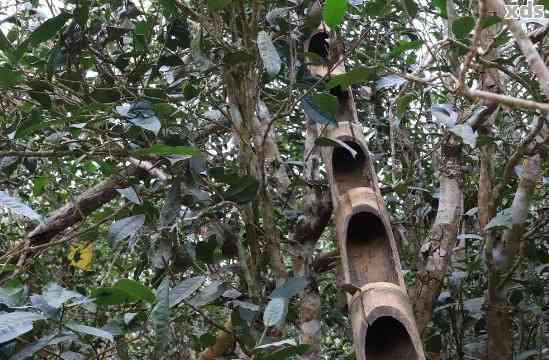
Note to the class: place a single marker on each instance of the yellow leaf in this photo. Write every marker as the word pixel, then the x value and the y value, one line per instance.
pixel 81 256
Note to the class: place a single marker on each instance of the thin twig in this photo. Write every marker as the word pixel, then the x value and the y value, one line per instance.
pixel 475 44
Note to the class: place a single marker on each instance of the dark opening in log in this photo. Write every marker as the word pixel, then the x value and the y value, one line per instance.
pixel 319 44
pixel 370 257
pixel 350 172
pixel 387 339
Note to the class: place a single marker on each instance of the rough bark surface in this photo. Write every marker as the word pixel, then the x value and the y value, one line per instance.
pixel 243 99
pixel 317 212
pixel 505 253
pixel 224 342
pixel 436 251
pixel 76 210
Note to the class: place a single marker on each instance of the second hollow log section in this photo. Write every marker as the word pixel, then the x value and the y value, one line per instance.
pixel 382 319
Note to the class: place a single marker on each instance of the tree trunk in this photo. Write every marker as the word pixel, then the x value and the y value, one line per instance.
pixel 436 251
pixel 504 255
pixel 317 212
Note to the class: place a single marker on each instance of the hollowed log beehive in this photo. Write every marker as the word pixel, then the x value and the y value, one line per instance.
pixel 382 319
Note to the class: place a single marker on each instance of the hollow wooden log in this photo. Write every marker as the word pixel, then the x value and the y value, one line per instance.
pixel 382 319
pixel 383 324
pixel 367 246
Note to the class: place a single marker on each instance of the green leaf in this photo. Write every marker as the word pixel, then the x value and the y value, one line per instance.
pixel 125 228
pixel 245 190
pixel 326 103
pixel 503 219
pixel 9 78
pixel 18 207
pixel 403 103
pixel 210 293
pixel 403 46
pixel 166 150
pixel 291 287
pixel 29 350
pixel 5 44
pixel 185 289
pixel 82 12
pixel 269 55
pixel 334 12
pixel 490 21
pixel 110 296
pixel 530 354
pixel 56 296
pixel 160 316
pixel 479 113
pixel 169 7
pixel 106 95
pixel 356 76
pixel 216 5
pixel 316 114
pixel 462 26
pixel 466 133
pixel 12 296
pixel 474 307
pixel 71 355
pixel 324 141
pixel 151 123
pixel 411 7
pixel 445 114
pixel 142 28
pixel 40 85
pixel 42 98
pixel 135 290
pixel 246 310
pixel 389 81
pixel 48 29
pixel 39 303
pixel 189 91
pixel 205 250
pixel 17 323
pixel 442 7
pixel 502 38
pixel 44 32
pixel 89 330
pixel 275 312
pixel 377 8
pixel 130 194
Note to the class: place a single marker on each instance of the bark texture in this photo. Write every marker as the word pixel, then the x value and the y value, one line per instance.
pixel 71 213
pixel 503 256
pixel 316 215
pixel 82 206
pixel 436 251
pixel 256 158
pixel 224 342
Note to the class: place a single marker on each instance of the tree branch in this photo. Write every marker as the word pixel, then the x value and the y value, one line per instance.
pixel 525 44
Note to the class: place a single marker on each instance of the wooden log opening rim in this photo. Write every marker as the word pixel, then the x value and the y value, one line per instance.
pixel 370 254
pixel 319 44
pixel 388 339
pixel 350 172
pixel 383 324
